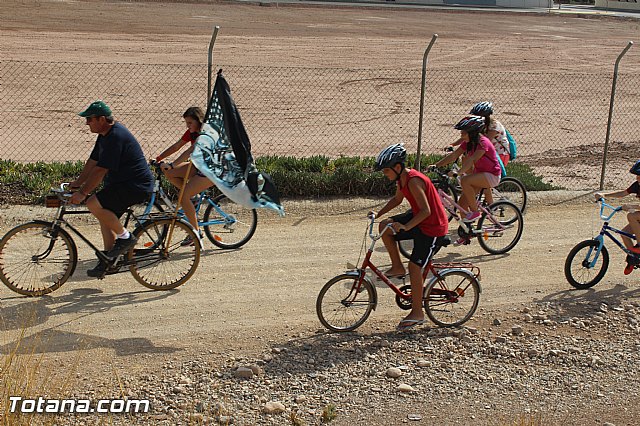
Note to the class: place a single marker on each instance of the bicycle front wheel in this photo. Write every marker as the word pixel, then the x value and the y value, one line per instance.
pixel 160 264
pixel 585 266
pixel 451 297
pixel 511 189
pixel 501 230
pixel 36 259
pixel 340 307
pixel 229 225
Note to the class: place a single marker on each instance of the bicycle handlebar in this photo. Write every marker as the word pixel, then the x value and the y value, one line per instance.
pixel 372 220
pixel 604 204
pixel 63 191
pixel 441 173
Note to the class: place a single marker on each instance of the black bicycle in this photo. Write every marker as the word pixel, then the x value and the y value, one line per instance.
pixel 37 257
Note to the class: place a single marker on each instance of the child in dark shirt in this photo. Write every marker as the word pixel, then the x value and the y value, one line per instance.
pixel 633 215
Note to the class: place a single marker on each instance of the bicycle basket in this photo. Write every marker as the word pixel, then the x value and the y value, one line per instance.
pixel 52 201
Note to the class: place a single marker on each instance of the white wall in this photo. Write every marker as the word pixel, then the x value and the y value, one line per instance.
pixel 524 3
pixel 623 5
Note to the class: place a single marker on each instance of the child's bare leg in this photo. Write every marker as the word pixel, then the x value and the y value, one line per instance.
pixel 488 196
pixel 471 184
pixel 634 228
pixel 177 175
pixel 415 274
pixel 390 243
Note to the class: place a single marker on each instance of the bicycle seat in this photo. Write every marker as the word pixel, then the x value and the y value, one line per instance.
pixel 446 240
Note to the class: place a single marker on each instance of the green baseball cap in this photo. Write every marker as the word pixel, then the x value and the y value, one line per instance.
pixel 96 109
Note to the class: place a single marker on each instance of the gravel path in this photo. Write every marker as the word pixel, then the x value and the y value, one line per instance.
pixel 241 344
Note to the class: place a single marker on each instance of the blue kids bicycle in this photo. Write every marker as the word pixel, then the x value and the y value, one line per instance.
pixel 588 261
pixel 226 224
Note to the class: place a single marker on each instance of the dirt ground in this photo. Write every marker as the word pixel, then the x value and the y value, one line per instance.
pixel 250 301
pixel 97 31
pixel 258 37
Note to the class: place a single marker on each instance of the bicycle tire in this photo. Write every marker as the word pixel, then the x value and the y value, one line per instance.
pixel 35 259
pixel 336 312
pixel 582 277
pixel 509 217
pixel 510 189
pixel 238 224
pixel 158 266
pixel 451 297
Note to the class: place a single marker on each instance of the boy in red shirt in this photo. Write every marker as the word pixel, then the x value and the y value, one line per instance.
pixel 426 224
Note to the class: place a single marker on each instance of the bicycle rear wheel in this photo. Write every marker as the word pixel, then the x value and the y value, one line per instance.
pixel 340 307
pixel 500 232
pixel 36 259
pixel 229 225
pixel 451 297
pixel 160 264
pixel 510 189
pixel 578 268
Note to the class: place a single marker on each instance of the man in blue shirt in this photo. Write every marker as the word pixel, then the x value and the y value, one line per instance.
pixel 116 159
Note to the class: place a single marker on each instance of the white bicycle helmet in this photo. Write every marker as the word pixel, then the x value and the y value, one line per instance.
pixel 482 108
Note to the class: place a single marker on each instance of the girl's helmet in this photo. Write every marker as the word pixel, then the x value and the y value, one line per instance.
pixel 471 124
pixel 390 156
pixel 482 108
pixel 635 169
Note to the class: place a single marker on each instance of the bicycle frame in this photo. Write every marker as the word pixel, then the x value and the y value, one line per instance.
pixel 158 192
pixel 609 231
pixel 59 222
pixel 429 267
pixel 450 205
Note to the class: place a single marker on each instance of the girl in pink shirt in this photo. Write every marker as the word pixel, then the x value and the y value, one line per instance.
pixel 480 167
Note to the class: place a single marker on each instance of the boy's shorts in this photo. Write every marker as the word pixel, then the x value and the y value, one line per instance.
pixel 424 246
pixel 119 198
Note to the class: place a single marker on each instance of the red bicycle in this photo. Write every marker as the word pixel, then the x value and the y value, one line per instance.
pixel 450 297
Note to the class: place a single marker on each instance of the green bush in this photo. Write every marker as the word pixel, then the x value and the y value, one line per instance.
pixel 317 176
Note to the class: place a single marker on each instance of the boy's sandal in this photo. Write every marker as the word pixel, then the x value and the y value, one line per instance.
pixel 407 324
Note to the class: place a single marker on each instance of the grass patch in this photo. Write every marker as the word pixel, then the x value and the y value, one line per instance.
pixel 329 413
pixel 309 177
pixel 28 183
pixel 23 374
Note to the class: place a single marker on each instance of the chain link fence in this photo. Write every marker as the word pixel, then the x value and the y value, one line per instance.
pixel 559 119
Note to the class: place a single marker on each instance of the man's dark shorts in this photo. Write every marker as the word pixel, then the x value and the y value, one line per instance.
pixel 118 198
pixel 424 246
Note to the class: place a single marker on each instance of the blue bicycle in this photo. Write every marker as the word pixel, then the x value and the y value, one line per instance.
pixel 226 224
pixel 588 261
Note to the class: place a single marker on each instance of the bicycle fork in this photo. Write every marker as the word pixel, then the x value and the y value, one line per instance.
pixel 591 263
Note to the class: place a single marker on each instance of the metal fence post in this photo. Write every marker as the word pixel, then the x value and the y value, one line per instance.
pixel 613 95
pixel 422 90
pixel 209 61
